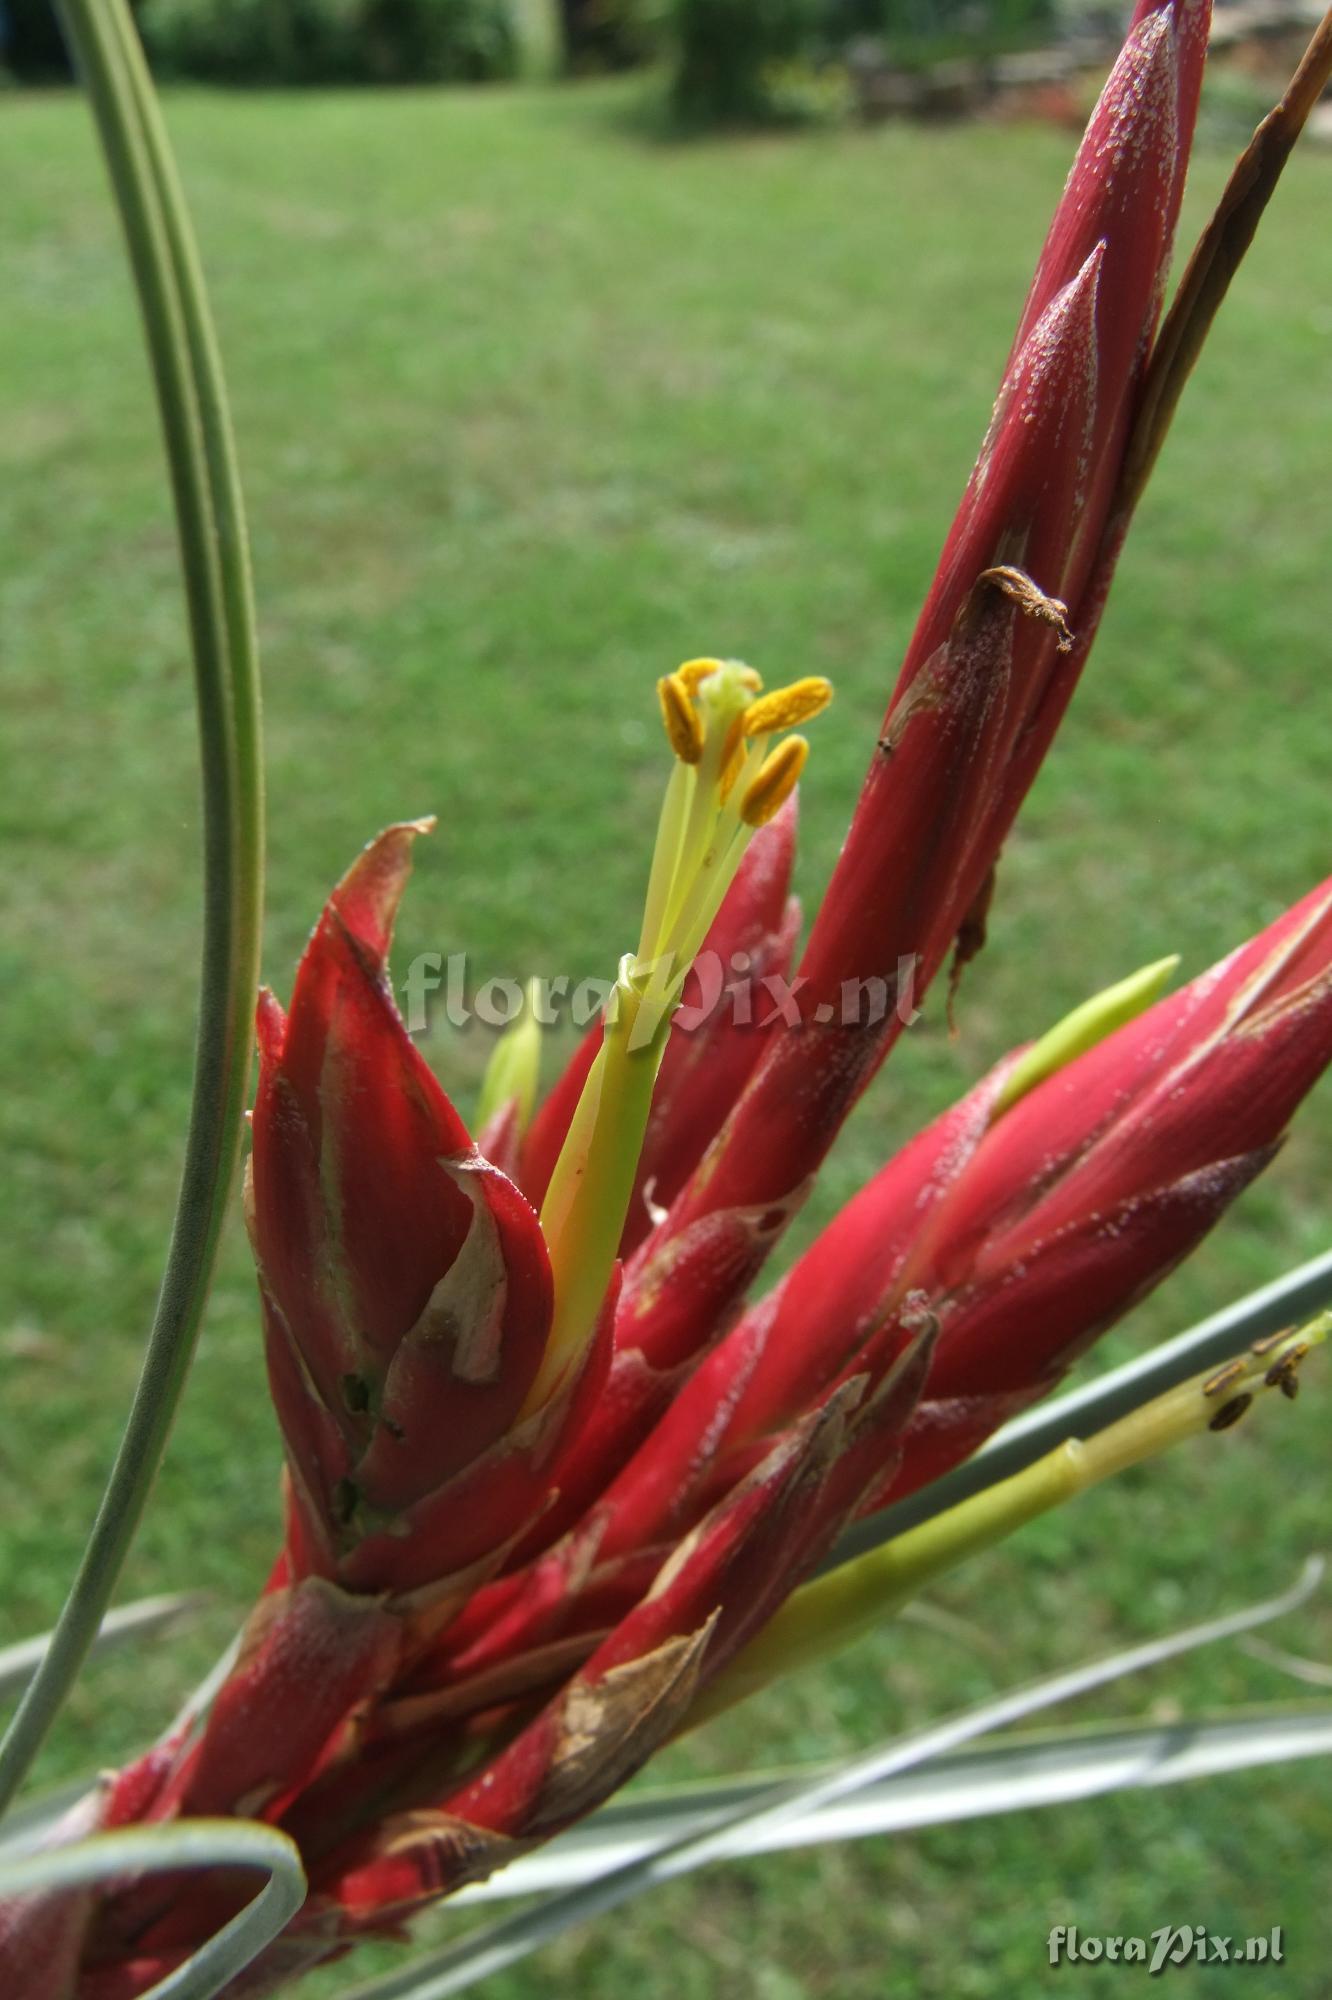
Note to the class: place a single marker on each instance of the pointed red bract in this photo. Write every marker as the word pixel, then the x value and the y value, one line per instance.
pixel 1087 1192
pixel 407 1292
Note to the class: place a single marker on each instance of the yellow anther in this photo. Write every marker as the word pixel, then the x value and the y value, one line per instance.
pixel 777 776
pixel 684 726
pixel 733 758
pixel 787 706
pixel 694 672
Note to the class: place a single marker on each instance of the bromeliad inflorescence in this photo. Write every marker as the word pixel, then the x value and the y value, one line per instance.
pixel 551 1469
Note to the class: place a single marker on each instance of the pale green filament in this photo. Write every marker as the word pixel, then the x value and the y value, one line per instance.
pixel 588 1198
pixel 698 827
pixel 702 835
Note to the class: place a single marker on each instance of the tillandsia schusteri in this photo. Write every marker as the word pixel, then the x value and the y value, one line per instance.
pixel 551 1468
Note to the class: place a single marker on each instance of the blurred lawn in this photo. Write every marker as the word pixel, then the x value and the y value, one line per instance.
pixel 530 410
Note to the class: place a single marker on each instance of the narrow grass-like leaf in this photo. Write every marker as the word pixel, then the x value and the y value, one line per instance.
pixel 197 1843
pixel 1017 1774
pixel 211 530
pixel 129 1621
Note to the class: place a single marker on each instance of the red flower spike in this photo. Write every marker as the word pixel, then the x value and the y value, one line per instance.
pixel 1119 206
pixel 487 1615
pixel 1157 80
pixel 1089 1191
pixel 932 815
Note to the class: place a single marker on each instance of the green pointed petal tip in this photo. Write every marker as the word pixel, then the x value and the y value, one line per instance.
pixel 1085 1027
pixel 514 1070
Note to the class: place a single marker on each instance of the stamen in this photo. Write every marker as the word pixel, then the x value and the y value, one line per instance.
pixel 693 673
pixel 724 783
pixel 733 758
pixel 786 707
pixel 684 725
pixel 777 778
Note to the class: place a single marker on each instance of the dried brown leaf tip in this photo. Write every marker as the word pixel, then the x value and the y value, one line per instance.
pixel 610 1727
pixel 1029 599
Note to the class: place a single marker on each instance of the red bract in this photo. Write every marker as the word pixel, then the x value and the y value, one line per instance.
pixel 405 1280
pixel 1049 1222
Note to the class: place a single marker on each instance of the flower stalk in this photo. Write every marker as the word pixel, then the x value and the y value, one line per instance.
pixel 824 1617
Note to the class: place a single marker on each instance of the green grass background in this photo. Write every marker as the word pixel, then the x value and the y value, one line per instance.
pixel 530 409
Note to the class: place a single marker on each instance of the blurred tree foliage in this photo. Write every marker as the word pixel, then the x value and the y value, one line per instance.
pixel 727 51
pixel 911 30
pixel 734 59
pixel 331 41
pixel 724 54
pixel 602 35
pixel 976 22
pixel 31 45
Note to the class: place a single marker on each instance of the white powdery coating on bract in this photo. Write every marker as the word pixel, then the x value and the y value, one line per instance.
pixel 1137 114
